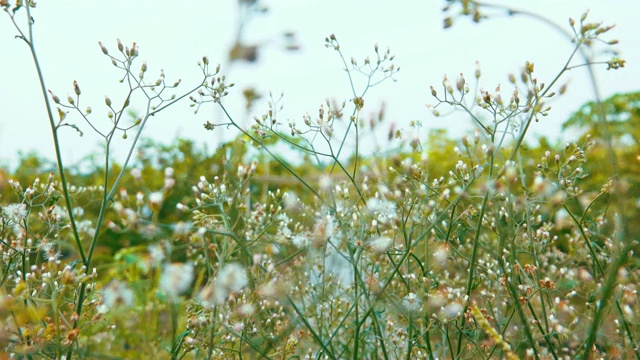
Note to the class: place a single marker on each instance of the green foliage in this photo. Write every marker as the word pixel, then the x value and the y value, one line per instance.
pixel 622 112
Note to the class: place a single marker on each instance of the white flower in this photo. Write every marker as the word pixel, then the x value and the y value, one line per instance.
pixel 381 244
pixel 182 228
pixel 85 227
pixel 156 198
pixel 60 214
pixel 441 254
pixel 176 279
pixel 290 200
pixel 300 240
pixel 136 173
pixel 384 209
pixel 156 254
pixel 325 182
pixel 231 278
pixel 116 294
pixel 411 302
pixel 246 310
pixel 452 310
pixel 15 212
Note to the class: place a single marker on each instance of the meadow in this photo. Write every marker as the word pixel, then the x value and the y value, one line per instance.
pixel 485 246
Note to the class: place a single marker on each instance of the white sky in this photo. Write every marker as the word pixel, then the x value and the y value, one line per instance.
pixel 174 37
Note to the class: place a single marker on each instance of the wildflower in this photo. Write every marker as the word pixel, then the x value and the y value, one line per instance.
pixel 411 302
pixel 231 278
pixel 155 199
pixel 452 310
pixel 291 201
pixel 85 227
pixel 176 279
pixel 441 254
pixel 156 254
pixel 15 212
pixel 116 294
pixel 300 240
pixel 325 182
pixel 182 228
pixel 169 183
pixel 384 209
pixel 136 173
pixel 381 244
pixel 246 310
pixel 59 213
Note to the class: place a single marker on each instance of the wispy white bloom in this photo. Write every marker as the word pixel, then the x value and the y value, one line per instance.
pixel 114 295
pixel 136 173
pixel 290 200
pixel 384 209
pixel 325 182
pixel 441 254
pixel 182 228
pixel 381 244
pixel 452 310
pixel 300 240
pixel 156 254
pixel 85 227
pixel 412 302
pixel 155 199
pixel 231 278
pixel 246 310
pixel 176 279
pixel 15 212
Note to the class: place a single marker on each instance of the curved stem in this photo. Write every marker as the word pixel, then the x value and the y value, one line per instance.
pixel 54 132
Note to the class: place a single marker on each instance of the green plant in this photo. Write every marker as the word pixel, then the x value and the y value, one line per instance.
pixel 477 247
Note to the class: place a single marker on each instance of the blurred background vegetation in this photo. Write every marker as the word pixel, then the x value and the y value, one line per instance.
pixel 190 162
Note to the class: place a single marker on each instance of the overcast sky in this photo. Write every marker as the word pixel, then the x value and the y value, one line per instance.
pixel 174 37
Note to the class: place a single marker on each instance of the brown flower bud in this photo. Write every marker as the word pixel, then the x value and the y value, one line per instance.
pixel 76 88
pixel 104 49
pixel 55 98
pixel 584 16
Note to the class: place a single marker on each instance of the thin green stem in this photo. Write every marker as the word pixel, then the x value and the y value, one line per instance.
pixel 54 132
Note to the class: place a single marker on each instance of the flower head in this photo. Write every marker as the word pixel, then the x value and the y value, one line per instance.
pixel 231 278
pixel 116 294
pixel 176 279
pixel 15 212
